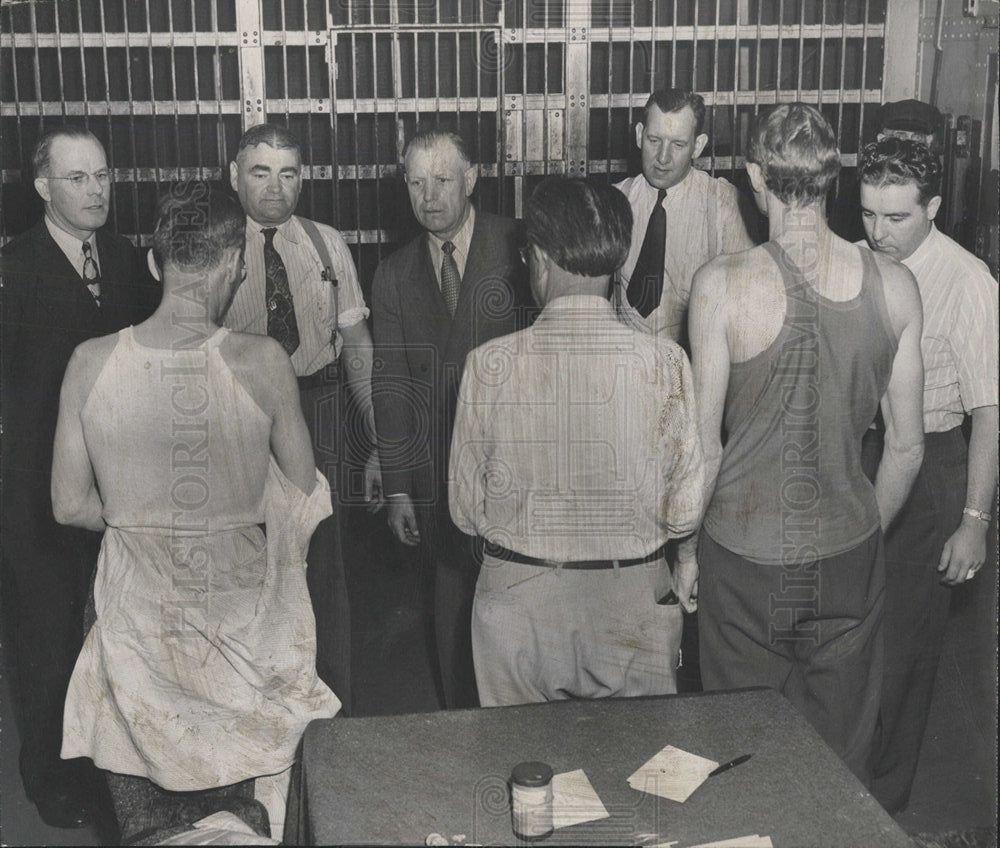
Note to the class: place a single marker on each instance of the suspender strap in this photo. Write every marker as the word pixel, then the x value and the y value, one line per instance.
pixel 323 252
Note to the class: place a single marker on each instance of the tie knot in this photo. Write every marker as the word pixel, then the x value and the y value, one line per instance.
pixel 86 249
pixel 448 248
pixel 660 195
pixel 269 235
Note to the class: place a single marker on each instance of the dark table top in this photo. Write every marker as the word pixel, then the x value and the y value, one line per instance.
pixel 395 779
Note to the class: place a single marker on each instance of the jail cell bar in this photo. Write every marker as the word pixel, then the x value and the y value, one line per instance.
pixel 536 86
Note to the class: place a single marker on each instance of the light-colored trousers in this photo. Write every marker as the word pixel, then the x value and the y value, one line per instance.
pixel 542 634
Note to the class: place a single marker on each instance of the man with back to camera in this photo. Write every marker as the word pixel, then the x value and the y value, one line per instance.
pixel 178 438
pixel 65 280
pixel 939 537
pixel 682 217
pixel 574 460
pixel 794 346
pixel 302 290
pixel 453 287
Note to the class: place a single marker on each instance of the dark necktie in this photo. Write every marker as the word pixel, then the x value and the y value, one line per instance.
pixel 645 286
pixel 451 280
pixel 281 324
pixel 91 273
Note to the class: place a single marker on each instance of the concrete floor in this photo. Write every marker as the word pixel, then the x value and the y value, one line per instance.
pixel 955 789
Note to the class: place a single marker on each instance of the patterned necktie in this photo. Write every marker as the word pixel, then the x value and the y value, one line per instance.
pixel 645 286
pixel 281 325
pixel 451 280
pixel 91 274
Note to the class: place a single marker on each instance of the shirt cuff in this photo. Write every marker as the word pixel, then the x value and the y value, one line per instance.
pixel 352 316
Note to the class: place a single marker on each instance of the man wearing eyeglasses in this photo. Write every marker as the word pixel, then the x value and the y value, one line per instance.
pixel 65 280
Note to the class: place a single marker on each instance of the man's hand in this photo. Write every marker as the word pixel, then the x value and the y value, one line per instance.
pixel 686 582
pixel 403 519
pixel 373 483
pixel 964 553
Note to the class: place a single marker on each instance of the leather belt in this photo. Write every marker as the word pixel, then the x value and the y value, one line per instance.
pixel 506 554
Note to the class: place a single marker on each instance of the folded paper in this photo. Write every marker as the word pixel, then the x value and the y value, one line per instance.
pixel 574 800
pixel 672 774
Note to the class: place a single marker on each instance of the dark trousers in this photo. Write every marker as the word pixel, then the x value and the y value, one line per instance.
pixel 450 559
pixel 46 571
pixel 325 574
pixel 916 607
pixel 811 631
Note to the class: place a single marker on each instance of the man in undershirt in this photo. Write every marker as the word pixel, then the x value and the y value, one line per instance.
pixel 795 344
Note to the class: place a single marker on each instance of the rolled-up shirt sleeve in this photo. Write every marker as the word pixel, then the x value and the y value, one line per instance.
pixel 975 344
pixel 351 307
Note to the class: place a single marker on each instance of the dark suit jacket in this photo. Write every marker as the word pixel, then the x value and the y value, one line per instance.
pixel 47 312
pixel 420 350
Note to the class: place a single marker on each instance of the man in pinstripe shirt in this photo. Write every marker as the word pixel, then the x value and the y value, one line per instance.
pixel 938 539
pixel 323 318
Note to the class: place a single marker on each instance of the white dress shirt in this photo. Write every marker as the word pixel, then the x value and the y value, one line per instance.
pixel 576 438
pixel 959 341
pixel 462 239
pixel 312 297
pixel 703 221
pixel 73 248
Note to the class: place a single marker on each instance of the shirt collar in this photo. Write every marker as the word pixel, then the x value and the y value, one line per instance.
pixel 922 251
pixel 69 244
pixel 577 305
pixel 289 230
pixel 673 190
pixel 463 238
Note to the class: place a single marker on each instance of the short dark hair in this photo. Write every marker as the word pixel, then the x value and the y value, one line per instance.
pixel 675 99
pixel 195 226
pixel 425 139
pixel 898 161
pixel 585 227
pixel 797 152
pixel 41 155
pixel 275 135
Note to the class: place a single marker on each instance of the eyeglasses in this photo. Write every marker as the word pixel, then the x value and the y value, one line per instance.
pixel 80 178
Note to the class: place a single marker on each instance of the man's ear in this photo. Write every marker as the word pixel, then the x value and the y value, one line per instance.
pixel 699 145
pixel 640 128
pixel 756 177
pixel 932 207
pixel 470 177
pixel 234 173
pixel 42 187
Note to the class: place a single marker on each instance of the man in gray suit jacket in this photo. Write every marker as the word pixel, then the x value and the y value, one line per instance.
pixel 459 284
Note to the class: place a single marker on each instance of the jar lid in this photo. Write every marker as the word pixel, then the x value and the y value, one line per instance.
pixel 531 773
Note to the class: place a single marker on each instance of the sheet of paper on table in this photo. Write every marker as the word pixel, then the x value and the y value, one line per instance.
pixel 672 774
pixel 574 800
pixel 752 841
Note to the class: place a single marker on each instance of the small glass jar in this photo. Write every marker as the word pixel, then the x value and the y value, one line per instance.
pixel 531 800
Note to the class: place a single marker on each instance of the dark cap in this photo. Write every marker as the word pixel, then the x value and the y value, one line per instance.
pixel 532 773
pixel 909 115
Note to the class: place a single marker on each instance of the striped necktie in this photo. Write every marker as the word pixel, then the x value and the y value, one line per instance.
pixel 91 273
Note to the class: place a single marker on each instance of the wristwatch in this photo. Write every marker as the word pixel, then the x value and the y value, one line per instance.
pixel 977 513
